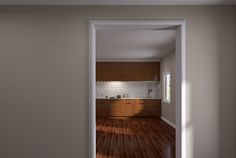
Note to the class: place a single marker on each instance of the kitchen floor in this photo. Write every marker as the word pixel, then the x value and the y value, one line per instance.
pixel 134 138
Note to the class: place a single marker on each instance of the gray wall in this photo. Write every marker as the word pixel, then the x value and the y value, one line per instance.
pixel 44 78
pixel 168 65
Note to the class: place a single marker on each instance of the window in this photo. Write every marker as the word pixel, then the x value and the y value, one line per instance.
pixel 167 87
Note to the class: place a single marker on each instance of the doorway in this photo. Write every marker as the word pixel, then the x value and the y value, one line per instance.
pixel 179 26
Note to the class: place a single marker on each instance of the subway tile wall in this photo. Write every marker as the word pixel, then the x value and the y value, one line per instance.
pixel 134 89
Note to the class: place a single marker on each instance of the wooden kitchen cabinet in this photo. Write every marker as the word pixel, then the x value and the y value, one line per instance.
pixel 152 107
pixel 128 107
pixel 127 71
pixel 108 107
pixel 140 108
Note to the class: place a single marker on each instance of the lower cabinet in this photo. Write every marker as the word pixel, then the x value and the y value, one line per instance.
pixel 128 107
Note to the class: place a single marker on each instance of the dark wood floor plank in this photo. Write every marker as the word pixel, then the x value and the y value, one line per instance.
pixel 134 138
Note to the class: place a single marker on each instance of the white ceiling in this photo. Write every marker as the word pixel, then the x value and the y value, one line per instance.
pixel 115 2
pixel 134 45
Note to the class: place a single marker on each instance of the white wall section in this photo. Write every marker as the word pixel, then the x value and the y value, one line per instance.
pixel 168 64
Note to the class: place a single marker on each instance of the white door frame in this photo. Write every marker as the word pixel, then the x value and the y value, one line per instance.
pixel 179 26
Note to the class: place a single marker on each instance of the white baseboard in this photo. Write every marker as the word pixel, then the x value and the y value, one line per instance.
pixel 168 122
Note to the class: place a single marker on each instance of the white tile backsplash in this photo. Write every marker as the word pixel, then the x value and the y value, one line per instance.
pixel 134 89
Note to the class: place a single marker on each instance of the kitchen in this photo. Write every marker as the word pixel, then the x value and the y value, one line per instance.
pixel 135 103
pixel 126 89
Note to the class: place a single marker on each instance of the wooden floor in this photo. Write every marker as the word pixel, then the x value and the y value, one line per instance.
pixel 134 138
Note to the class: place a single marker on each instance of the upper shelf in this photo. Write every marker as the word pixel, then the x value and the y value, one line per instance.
pixel 127 71
pixel 128 98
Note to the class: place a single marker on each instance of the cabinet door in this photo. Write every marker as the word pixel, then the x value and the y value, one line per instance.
pixel 115 108
pixel 140 108
pixel 102 108
pixel 153 107
pixel 127 108
pixel 148 107
pixel 108 107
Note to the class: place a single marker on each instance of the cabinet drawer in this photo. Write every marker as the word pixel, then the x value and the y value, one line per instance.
pixel 139 102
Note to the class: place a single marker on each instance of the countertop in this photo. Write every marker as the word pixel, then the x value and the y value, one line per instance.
pixel 128 98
